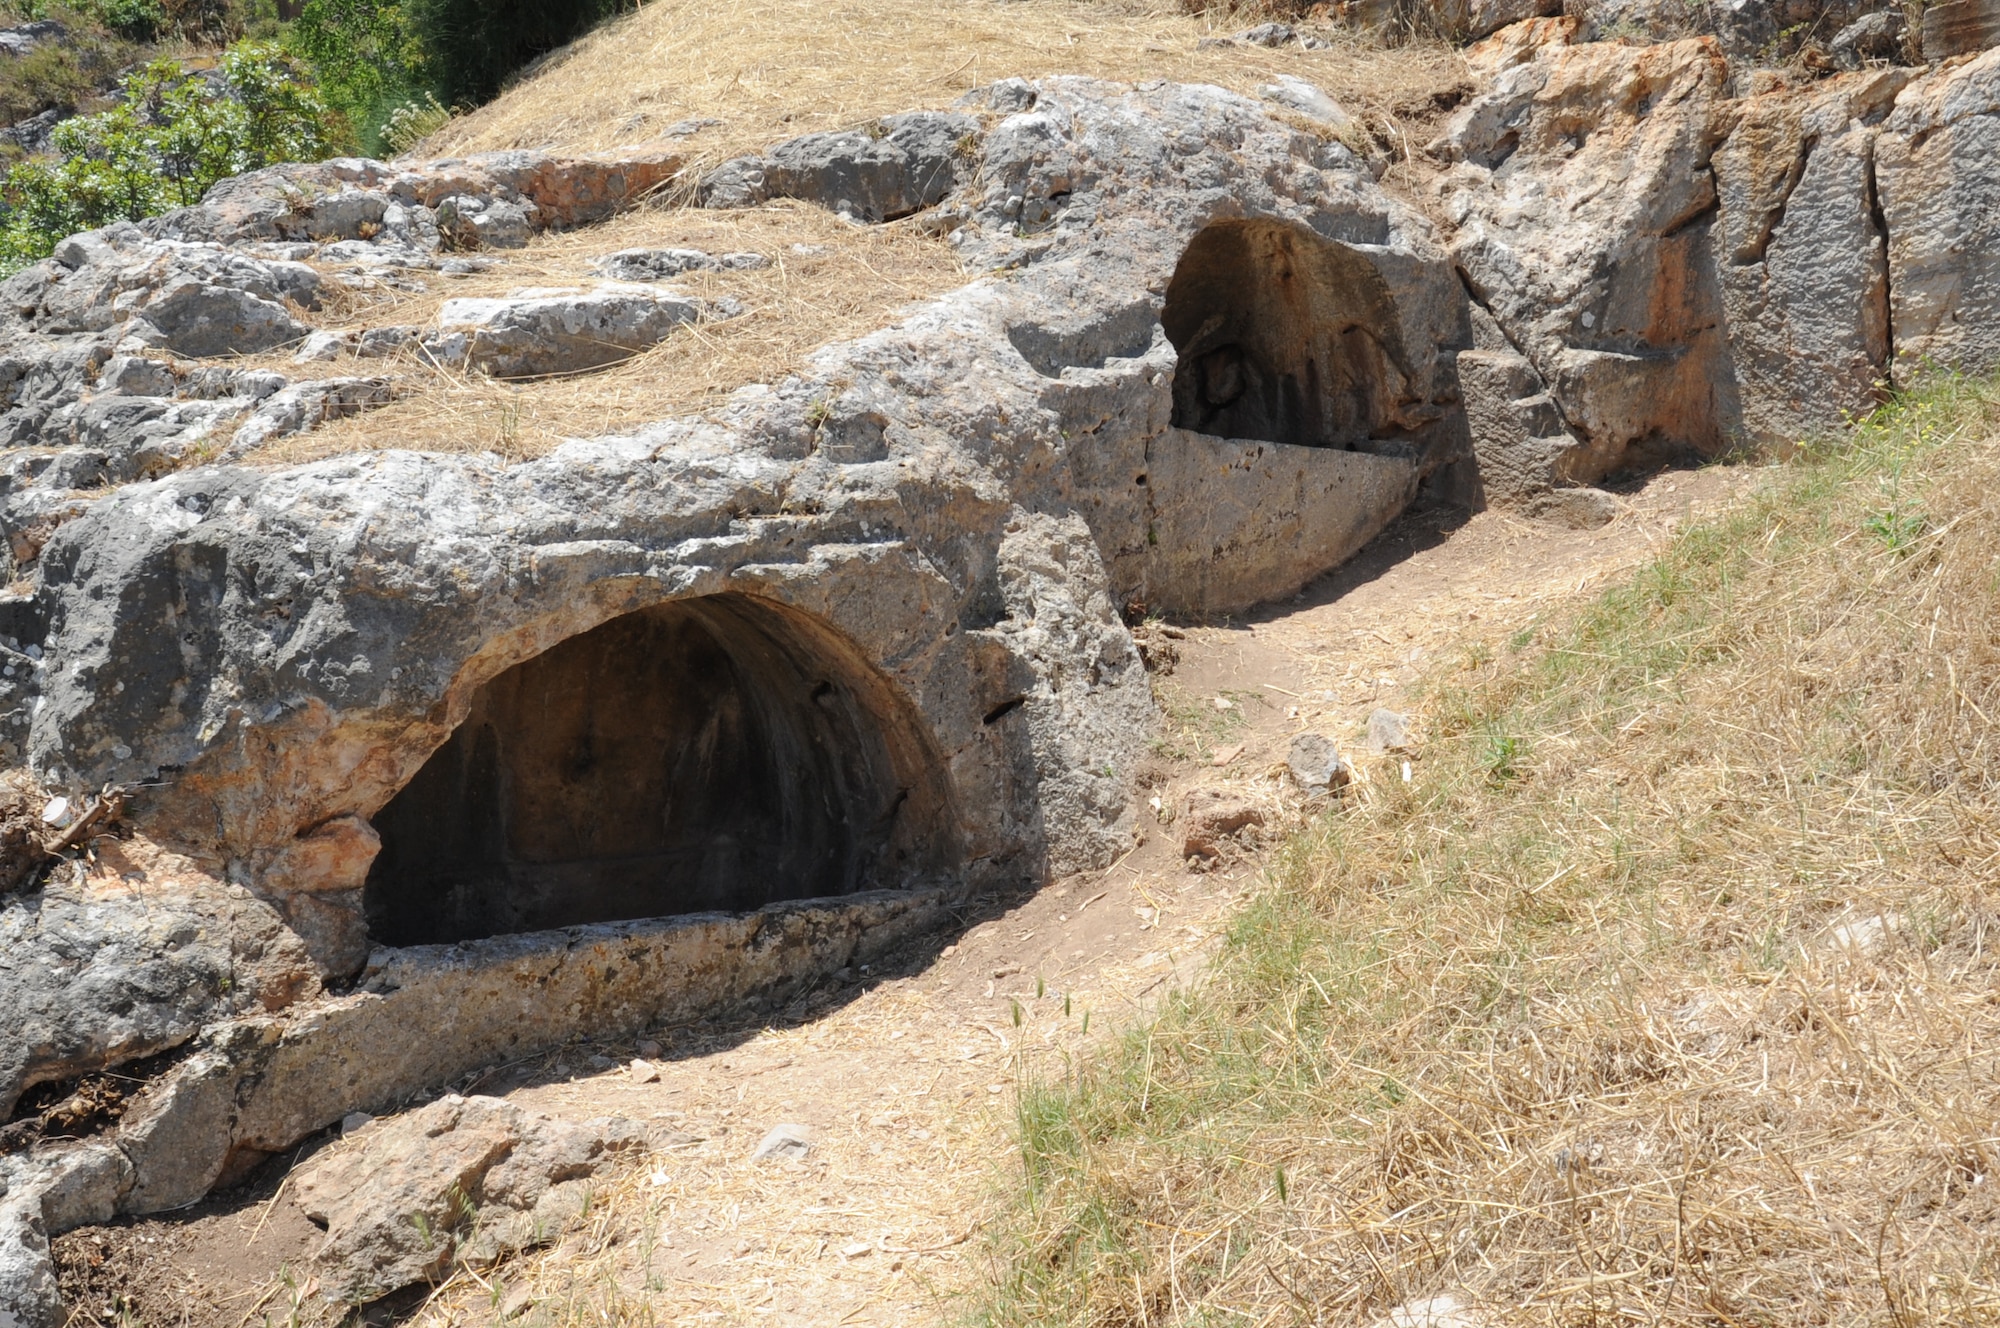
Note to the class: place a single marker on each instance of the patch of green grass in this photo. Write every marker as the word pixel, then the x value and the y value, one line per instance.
pixel 1193 727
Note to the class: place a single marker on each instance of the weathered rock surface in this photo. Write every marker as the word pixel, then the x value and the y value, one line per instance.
pixel 1212 357
pixel 1271 36
pixel 356 199
pixel 120 311
pixel 304 406
pixel 29 1295
pixel 1387 730
pixel 1583 200
pixel 22 38
pixel 1668 267
pixel 897 166
pixel 1937 170
pixel 879 465
pixel 1314 763
pixel 461 1181
pixel 251 1085
pixel 1879 38
pixel 194 299
pixel 92 974
pixel 961 503
pixel 1752 31
pixel 659 264
pixel 35 134
pixel 551 332
pixel 782 1142
pixel 1802 257
pixel 1471 19
pixel 1959 27
pixel 1213 820
pixel 472 222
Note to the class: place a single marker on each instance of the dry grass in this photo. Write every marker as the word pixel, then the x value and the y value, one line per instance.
pixel 787 67
pixel 828 281
pixel 1662 992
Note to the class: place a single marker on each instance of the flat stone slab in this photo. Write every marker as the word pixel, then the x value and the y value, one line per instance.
pixel 536 332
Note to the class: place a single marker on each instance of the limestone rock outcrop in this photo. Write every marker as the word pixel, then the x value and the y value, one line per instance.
pixel 1670 268
pixel 911 559
pixel 1583 199
pixel 895 167
pixel 535 332
pixel 1959 27
pixel 100 345
pixel 1937 168
pixel 389 726
pixel 465 1180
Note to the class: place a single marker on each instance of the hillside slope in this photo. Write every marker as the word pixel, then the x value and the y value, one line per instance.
pixel 1658 988
pixel 791 67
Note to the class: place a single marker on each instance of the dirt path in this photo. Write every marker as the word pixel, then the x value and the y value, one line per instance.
pixel 905 1078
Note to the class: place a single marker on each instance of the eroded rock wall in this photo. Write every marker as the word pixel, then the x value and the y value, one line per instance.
pixel 1208 358
pixel 1676 267
pixel 965 503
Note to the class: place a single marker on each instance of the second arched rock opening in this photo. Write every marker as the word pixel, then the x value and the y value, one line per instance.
pixel 1284 337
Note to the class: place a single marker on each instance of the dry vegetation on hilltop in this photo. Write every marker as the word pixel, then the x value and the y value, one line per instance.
pixel 1663 992
pixel 764 75
pixel 788 67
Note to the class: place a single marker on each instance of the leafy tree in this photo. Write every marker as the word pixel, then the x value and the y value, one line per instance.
pixel 171 137
pixel 377 57
pixel 473 45
pixel 367 57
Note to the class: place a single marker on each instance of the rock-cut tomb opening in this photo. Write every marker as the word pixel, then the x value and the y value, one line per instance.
pixel 1282 337
pixel 711 754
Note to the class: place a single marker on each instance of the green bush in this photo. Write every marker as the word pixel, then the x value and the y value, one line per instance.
pixel 473 45
pixel 170 138
pixel 152 20
pixel 135 20
pixel 412 122
pixel 375 58
pixel 367 59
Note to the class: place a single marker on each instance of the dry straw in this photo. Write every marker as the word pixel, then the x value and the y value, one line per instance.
pixel 786 67
pixel 827 280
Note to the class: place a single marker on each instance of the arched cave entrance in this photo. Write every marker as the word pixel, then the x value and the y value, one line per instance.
pixel 719 753
pixel 1284 337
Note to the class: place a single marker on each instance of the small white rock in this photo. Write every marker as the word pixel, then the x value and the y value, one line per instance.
pixel 1387 731
pixel 1433 1312
pixel 784 1141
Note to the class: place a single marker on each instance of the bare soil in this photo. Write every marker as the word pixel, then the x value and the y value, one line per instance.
pixel 906 1076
